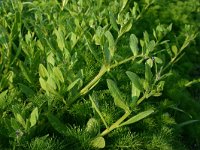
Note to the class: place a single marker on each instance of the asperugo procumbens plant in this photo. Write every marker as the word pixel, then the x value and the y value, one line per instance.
pixel 105 42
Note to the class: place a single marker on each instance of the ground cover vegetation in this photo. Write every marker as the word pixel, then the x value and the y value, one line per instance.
pixel 115 74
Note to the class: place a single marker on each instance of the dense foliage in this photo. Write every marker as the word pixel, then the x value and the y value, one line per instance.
pixel 116 74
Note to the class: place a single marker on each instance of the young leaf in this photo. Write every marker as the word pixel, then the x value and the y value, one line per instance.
pixel 42 83
pixel 150 62
pixel 137 117
pixel 60 38
pixel 174 49
pixel 135 80
pixel 113 22
pixel 58 74
pixel 20 120
pixel 133 42
pixel 73 84
pixel 43 71
pixel 150 46
pixel 34 117
pixel 116 95
pixel 135 93
pixel 158 60
pixel 111 42
pixel 98 142
pixel 124 2
pixel 125 28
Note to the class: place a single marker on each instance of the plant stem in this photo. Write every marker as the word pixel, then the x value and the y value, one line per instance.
pixel 116 124
pixel 96 79
pixel 92 83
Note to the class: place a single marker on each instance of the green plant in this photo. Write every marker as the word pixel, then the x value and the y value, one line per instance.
pixel 87 71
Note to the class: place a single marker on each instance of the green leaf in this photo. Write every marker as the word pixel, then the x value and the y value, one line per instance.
pixel 14 124
pixel 150 46
pixel 26 90
pixel 42 83
pixel 187 123
pixel 95 106
pixel 148 73
pixel 57 124
pixel 50 58
pixel 107 55
pixel 43 71
pixel 174 49
pixel 34 117
pixel 92 127
pixel 133 42
pixel 25 72
pixel 123 5
pixel 52 83
pixel 125 28
pixel 146 37
pixel 137 117
pixel 20 120
pixel 58 74
pixel 98 142
pixel 158 60
pixel 135 93
pixel 73 84
pixel 113 21
pixel 111 43
pixel 3 98
pixel 150 62
pixel 60 38
pixel 117 95
pixel 135 80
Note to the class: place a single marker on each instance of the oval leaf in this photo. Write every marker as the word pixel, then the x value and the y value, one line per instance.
pixel 43 71
pixel 135 80
pixel 58 74
pixel 98 142
pixel 133 42
pixel 111 42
